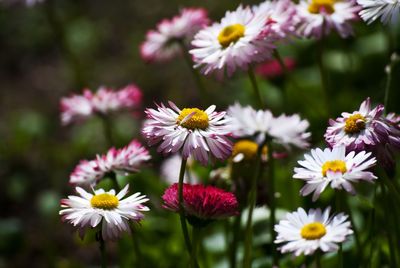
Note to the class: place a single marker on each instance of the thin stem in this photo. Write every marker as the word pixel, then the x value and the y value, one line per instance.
pixel 235 239
pixel 196 77
pixel 387 87
pixel 136 247
pixel 372 228
pixel 318 259
pixel 324 78
pixel 182 213
pixel 252 202
pixel 255 87
pixel 195 241
pixel 340 255
pixel 272 205
pixel 102 247
pixel 113 178
pixel 285 72
pixel 107 128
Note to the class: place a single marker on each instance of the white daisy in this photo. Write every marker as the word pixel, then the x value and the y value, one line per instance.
pixel 320 17
pixel 284 130
pixel 387 10
pixel 305 233
pixel 235 42
pixel 200 134
pixel 105 208
pixel 333 167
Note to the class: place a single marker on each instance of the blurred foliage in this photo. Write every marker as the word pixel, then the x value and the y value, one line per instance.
pixel 57 47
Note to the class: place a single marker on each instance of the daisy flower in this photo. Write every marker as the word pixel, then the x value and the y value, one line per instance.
pixel 163 43
pixel 387 10
pixel 111 210
pixel 333 167
pixel 284 130
pixel 304 233
pixel 360 129
pixel 105 100
pixel 200 134
pixel 320 17
pixel 234 43
pixel 201 203
pixel 281 17
pixel 125 160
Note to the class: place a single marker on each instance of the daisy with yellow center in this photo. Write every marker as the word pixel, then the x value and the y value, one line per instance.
pixel 235 42
pixel 111 210
pixel 201 134
pixel 320 17
pixel 364 129
pixel 333 167
pixel 246 150
pixel 305 233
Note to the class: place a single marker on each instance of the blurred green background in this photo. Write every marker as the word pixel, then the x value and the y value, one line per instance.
pixel 58 47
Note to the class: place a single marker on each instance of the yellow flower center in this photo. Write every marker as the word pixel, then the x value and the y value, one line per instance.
pixel 231 34
pixel 317 6
pixel 199 120
pixel 104 201
pixel 354 124
pixel 313 231
pixel 248 148
pixel 335 166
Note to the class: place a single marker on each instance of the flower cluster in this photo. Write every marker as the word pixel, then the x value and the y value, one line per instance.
pixel 165 43
pixel 112 211
pixel 200 134
pixel 127 159
pixel 201 202
pixel 105 100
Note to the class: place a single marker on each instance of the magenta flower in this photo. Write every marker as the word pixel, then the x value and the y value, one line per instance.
pixel 163 43
pixel 272 68
pixel 125 160
pixel 105 100
pixel 201 202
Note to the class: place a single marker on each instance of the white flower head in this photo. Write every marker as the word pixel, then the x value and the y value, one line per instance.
pixel 333 167
pixel 304 233
pixel 109 209
pixel 233 43
pixel 387 10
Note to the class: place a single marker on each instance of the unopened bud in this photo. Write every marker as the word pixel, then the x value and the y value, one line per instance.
pixel 388 69
pixel 394 57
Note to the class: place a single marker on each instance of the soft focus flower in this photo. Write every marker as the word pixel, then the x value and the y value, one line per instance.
pixel 164 43
pixel 272 68
pixel 234 43
pixel 170 170
pixel 333 167
pixel 246 150
pixel 200 134
pixel 320 17
pixel 112 211
pixel 125 160
pixel 387 10
pixel 306 233
pixel 357 130
pixel 105 100
pixel 201 202
pixel 281 17
pixel 284 130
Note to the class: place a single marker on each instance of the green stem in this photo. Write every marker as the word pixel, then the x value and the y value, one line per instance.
pixel 324 78
pixel 318 259
pixel 285 72
pixel 195 242
pixel 195 74
pixel 235 239
pixel 136 247
pixel 340 255
pixel 272 205
pixel 255 87
pixel 389 71
pixel 59 32
pixel 372 229
pixel 354 227
pixel 182 214
pixel 102 247
pixel 107 128
pixel 113 178
pixel 252 202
